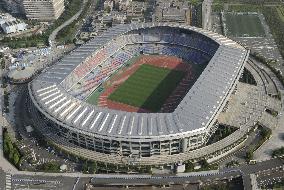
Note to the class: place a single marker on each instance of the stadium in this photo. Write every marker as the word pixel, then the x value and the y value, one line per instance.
pixel 139 93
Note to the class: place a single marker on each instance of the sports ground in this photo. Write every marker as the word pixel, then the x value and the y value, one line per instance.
pixel 149 83
pixel 148 87
pixel 243 25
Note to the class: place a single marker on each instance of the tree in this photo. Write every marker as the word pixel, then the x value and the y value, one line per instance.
pixel 204 164
pixel 189 166
pixel 149 169
pixel 16 158
pixel 278 152
pixel 108 9
pixel 2 64
pixel 249 155
pixel 85 167
pixel 6 149
pixel 194 2
pixel 11 151
pixel 93 167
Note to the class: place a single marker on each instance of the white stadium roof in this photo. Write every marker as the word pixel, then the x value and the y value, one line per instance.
pixel 197 110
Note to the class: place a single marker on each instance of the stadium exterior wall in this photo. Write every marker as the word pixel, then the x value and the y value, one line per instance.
pixel 126 149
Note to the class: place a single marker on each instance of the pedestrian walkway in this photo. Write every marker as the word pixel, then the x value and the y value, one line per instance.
pixel 8 181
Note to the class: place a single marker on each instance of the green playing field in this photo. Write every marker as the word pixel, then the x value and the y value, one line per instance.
pixel 243 25
pixel 148 87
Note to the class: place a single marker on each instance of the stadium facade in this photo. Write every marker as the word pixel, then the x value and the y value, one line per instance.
pixel 115 136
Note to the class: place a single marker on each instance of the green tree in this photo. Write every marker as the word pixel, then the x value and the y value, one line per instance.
pixel 16 157
pixel 107 9
pixel 93 167
pixel 189 166
pixel 204 164
pixel 50 167
pixel 85 167
pixel 278 152
pixel 249 155
pixel 2 64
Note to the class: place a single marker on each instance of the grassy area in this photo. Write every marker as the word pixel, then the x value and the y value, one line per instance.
pixel 276 26
pixel 243 25
pixel 233 184
pixel 222 132
pixel 93 98
pixel 148 87
pixel 280 11
pixel 67 34
pixel 272 17
pixel 277 185
pixel 11 150
pixel 245 8
pixel 49 167
pixel 278 152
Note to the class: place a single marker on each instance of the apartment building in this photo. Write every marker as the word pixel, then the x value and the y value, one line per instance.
pixel 44 10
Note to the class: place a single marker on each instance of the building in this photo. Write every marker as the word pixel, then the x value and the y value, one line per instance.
pixel 13 26
pixel 43 10
pixel 110 4
pixel 135 10
pixel 10 24
pixel 123 4
pixel 101 22
pixel 172 11
pixel 121 137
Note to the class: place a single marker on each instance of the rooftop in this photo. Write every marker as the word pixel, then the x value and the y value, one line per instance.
pixel 197 110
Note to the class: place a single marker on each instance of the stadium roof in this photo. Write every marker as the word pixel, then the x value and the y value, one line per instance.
pixel 194 114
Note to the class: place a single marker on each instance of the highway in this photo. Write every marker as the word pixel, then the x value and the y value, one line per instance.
pixel 48 180
pixel 206 14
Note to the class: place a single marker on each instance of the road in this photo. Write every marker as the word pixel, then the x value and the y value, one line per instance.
pixel 206 14
pixel 263 169
pixel 270 166
pixel 52 36
pixel 30 143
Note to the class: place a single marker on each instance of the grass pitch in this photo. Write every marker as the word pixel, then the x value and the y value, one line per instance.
pixel 94 96
pixel 148 87
pixel 243 25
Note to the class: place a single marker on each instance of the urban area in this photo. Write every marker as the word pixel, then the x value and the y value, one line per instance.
pixel 142 94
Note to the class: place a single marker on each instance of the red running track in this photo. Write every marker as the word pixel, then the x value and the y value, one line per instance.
pixel 169 62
